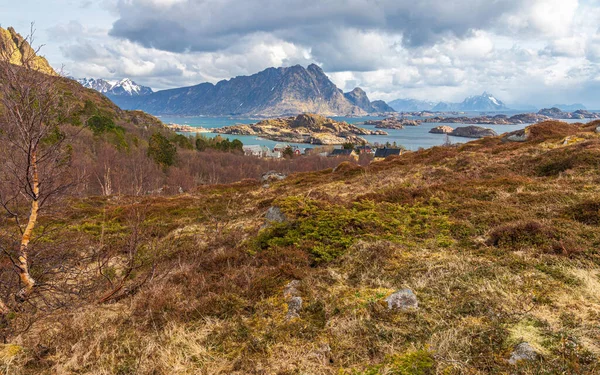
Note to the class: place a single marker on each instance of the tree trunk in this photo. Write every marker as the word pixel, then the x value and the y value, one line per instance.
pixel 22 264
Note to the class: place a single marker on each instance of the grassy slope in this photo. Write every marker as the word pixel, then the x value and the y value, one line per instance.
pixel 498 241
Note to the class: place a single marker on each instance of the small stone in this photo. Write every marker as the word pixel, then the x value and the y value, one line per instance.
pixel 275 215
pixel 273 176
pixel 523 352
pixel 291 289
pixel 294 307
pixel 404 299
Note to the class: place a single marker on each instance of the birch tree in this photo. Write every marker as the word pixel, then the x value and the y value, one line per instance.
pixel 33 155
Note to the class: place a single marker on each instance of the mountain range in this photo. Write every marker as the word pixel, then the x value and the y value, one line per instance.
pixel 124 87
pixel 483 102
pixel 272 92
pixel 411 105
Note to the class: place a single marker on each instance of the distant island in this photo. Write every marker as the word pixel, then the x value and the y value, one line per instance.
pixel 304 128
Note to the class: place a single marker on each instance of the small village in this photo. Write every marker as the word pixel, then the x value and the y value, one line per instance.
pixel 281 149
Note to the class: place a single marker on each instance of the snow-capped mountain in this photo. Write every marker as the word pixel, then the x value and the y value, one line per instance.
pixel 483 102
pixel 124 87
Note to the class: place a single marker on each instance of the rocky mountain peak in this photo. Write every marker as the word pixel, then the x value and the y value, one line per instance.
pixel 123 87
pixel 17 50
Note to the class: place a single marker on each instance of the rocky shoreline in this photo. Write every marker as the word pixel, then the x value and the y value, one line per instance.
pixel 392 123
pixel 305 128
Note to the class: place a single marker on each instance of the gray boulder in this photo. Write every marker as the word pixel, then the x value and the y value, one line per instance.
pixel 516 136
pixel 404 299
pixel 272 176
pixel 523 352
pixel 291 289
pixel 275 215
pixel 294 307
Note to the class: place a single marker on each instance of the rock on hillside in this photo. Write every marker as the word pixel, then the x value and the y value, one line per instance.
pixel 305 128
pixel 14 46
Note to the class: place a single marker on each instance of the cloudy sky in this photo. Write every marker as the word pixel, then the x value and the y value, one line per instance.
pixel 537 52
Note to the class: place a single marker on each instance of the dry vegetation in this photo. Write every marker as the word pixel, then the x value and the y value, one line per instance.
pixel 499 241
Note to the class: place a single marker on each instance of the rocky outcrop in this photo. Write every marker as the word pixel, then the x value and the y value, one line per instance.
pixel 272 176
pixel 275 215
pixel 392 123
pixel 404 299
pixel 517 136
pixel 294 301
pixel 443 129
pixel 305 128
pixel 523 352
pixel 16 49
pixel 473 132
pixel 272 92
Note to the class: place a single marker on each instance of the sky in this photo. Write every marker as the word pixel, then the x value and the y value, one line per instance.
pixel 525 52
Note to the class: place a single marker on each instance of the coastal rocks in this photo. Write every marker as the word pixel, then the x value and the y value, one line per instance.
pixel 304 128
pixel 443 129
pixel 556 113
pixel 473 132
pixel 525 118
pixel 294 301
pixel 523 352
pixel 392 123
pixel 403 300
pixel 528 118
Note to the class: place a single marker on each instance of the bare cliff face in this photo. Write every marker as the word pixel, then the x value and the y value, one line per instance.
pixel 16 49
pixel 272 92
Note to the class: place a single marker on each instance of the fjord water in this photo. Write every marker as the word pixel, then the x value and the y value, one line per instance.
pixel 411 137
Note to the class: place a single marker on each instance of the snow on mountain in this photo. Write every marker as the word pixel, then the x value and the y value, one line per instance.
pixel 483 102
pixel 124 87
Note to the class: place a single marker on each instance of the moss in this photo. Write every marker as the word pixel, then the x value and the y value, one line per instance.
pixel 417 362
pixel 327 230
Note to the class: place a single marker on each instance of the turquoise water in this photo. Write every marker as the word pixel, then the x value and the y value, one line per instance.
pixel 411 137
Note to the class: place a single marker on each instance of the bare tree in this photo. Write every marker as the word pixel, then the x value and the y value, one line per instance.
pixel 34 158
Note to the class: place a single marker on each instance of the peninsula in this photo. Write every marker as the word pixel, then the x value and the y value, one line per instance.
pixel 304 128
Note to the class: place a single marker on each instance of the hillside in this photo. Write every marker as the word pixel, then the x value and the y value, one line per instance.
pixel 272 92
pixel 501 264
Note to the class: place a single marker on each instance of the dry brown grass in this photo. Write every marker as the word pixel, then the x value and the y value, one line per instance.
pixel 502 255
